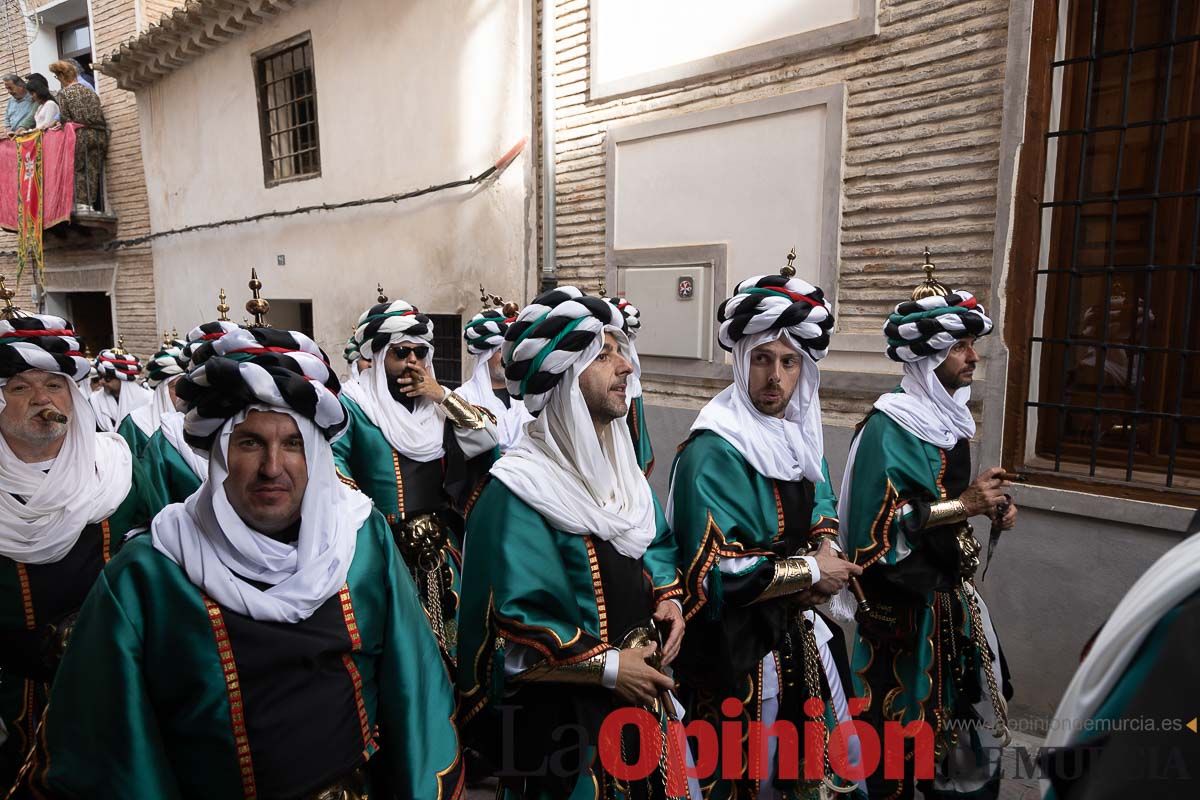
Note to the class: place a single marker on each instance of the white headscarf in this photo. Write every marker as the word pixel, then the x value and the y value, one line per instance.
pixel 786 449
pixel 415 434
pixel 149 417
pixel 88 480
pixel 172 430
pixel 222 555
pixel 925 409
pixel 579 482
pixel 110 411
pixel 510 419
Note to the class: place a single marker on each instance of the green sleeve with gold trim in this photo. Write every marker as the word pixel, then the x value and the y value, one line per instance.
pixel 824 513
pixel 416 696
pixel 661 559
pixel 102 731
pixel 721 508
pixel 894 477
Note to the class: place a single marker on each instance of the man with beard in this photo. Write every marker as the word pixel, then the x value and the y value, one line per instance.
pixel 164 369
pixel 636 418
pixel 67 499
pixel 265 640
pixel 120 394
pixel 926 648
pixel 417 450
pixel 569 608
pixel 173 468
pixel 753 511
pixel 486 387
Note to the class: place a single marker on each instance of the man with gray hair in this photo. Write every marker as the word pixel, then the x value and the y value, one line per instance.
pixel 19 111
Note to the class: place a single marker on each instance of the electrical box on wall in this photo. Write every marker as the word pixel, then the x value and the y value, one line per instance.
pixel 676 308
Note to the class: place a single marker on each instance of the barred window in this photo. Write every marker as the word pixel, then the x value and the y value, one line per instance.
pixel 287 110
pixel 447 349
pixel 1114 387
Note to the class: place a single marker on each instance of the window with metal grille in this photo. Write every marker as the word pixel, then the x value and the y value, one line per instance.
pixel 1114 393
pixel 447 349
pixel 287 111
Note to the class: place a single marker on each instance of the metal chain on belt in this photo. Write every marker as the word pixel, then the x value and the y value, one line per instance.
pixel 1000 728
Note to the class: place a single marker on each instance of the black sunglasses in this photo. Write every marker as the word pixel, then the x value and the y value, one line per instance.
pixel 402 352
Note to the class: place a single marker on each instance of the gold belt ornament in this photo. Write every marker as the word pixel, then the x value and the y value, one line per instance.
pixel 351 787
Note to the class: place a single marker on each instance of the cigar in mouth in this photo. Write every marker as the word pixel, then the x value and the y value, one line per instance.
pixel 50 415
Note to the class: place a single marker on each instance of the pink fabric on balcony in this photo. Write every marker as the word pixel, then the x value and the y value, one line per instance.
pixel 58 178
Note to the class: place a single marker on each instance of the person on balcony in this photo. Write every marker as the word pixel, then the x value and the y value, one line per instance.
pixel 46 114
pixel 19 111
pixel 78 103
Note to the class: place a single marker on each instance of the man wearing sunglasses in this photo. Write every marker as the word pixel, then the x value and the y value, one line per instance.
pixel 417 450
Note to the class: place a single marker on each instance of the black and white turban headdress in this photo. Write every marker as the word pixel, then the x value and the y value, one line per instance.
pixel 630 314
pixel 350 351
pixel 40 341
pixel 110 364
pixel 166 363
pixel 260 366
pixel 920 328
pixel 548 336
pixel 200 338
pixel 485 331
pixel 773 302
pixel 383 321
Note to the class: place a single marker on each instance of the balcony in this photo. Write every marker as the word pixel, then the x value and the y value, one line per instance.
pixel 45 183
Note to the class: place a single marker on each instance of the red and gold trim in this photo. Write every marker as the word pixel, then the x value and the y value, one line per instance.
pixel 233 688
pixel 597 587
pixel 26 596
pixel 779 522
pixel 369 745
pixel 105 541
pixel 399 485
pixel 348 481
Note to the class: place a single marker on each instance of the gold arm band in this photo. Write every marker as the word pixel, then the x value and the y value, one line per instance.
pixel 590 672
pixel 462 413
pixel 946 512
pixel 791 575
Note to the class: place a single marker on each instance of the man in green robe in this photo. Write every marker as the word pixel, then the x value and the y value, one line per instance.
pixel 570 577
pixel 174 470
pixel 120 393
pixel 486 388
pixel 636 418
pixel 67 498
pixel 753 512
pixel 926 651
pixel 264 640
pixel 162 372
pixel 418 450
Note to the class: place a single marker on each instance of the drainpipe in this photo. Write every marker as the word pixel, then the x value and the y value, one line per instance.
pixel 548 198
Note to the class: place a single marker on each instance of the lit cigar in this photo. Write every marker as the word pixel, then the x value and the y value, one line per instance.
pixel 50 415
pixel 1013 477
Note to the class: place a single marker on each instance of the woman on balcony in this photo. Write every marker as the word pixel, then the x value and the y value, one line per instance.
pixel 77 103
pixel 46 114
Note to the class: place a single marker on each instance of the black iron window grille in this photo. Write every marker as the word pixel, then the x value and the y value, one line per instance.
pixel 287 110
pixel 447 349
pixel 1118 389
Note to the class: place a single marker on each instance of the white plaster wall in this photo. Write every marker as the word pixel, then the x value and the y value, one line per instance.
pixel 756 184
pixel 409 93
pixel 636 36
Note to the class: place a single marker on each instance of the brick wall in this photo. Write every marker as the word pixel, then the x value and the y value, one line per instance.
pixel 922 144
pixel 113 21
